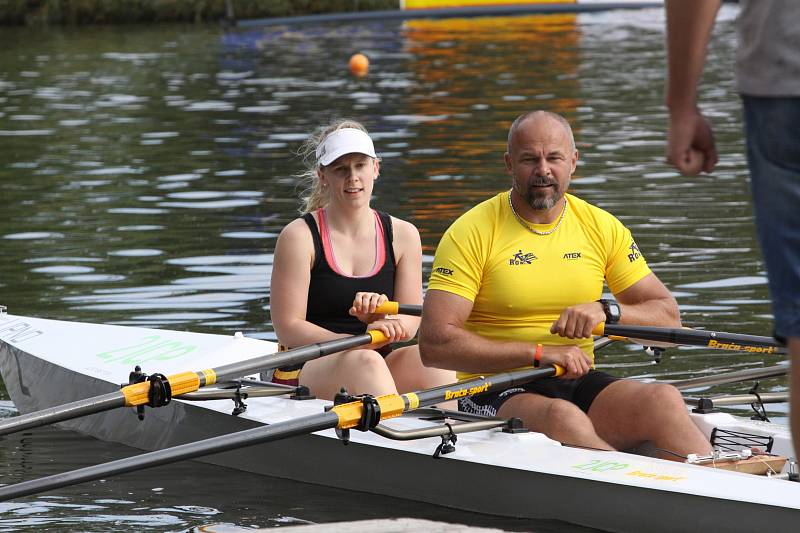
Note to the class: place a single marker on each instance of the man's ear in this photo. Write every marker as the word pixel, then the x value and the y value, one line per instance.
pixel 575 157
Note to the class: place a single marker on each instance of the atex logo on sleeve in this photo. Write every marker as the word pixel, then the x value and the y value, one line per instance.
pixel 443 271
pixel 635 253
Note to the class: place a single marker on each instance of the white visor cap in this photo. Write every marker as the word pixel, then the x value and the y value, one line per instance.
pixel 344 141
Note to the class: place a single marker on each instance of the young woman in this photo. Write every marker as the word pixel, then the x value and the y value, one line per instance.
pixel 333 266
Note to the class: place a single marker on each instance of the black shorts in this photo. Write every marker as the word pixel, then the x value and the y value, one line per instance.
pixel 581 392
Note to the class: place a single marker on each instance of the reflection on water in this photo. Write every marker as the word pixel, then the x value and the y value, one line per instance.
pixel 145 173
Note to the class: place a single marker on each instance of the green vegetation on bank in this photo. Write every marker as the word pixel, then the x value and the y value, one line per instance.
pixel 35 12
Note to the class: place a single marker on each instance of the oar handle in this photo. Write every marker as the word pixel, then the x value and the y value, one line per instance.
pixel 396 308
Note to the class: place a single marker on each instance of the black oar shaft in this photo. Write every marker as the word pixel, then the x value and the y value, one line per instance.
pixel 695 337
pixel 63 412
pixel 222 443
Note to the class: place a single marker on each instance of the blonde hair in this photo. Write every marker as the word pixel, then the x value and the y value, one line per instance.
pixel 314 196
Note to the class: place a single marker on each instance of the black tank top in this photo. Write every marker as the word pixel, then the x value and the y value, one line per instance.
pixel 330 294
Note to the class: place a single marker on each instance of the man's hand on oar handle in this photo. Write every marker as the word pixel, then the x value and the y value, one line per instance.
pixel 570 361
pixel 577 321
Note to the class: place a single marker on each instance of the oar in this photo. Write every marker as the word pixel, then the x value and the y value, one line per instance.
pixel 686 336
pixel 138 393
pixel 694 337
pixel 731 377
pixel 739 399
pixel 364 414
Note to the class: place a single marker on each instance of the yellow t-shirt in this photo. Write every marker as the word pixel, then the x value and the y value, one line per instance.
pixel 520 282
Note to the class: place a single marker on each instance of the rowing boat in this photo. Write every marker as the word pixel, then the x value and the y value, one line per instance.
pixel 491 468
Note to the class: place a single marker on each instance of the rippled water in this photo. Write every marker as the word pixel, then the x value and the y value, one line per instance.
pixel 146 172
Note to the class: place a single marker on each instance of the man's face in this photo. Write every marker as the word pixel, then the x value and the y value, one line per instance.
pixel 541 161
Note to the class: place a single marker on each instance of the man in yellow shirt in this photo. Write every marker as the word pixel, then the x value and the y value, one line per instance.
pixel 518 280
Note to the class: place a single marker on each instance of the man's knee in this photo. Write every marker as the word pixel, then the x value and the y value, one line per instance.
pixel 564 412
pixel 663 397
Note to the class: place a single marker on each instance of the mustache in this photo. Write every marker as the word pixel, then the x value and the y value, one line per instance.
pixel 543 181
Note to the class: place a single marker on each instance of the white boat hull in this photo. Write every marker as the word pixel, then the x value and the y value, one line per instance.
pixel 46 363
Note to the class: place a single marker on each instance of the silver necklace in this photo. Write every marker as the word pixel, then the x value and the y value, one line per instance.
pixel 536 231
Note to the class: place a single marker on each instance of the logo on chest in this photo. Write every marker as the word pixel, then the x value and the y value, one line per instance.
pixel 522 258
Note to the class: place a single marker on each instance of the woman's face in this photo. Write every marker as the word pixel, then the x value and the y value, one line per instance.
pixel 350 178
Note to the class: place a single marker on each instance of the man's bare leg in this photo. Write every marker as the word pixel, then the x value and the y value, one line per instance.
pixel 558 419
pixel 628 413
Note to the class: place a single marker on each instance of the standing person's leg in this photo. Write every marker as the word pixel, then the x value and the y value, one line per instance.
pixel 772 130
pixel 794 393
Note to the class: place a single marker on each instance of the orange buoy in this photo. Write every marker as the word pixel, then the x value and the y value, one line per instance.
pixel 359 65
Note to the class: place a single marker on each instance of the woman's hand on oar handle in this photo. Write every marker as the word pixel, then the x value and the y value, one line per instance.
pixel 379 338
pixel 391 330
pixel 570 361
pixel 368 307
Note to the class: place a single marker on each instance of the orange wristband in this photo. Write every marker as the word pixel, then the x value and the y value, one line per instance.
pixel 537 357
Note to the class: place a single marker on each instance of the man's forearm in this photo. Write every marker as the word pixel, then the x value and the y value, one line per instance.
pixel 454 348
pixel 661 312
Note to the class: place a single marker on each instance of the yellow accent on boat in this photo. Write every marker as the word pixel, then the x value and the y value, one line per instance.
pixel 184 382
pixel 349 414
pixel 413 400
pixel 211 376
pixel 392 405
pixel 136 394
